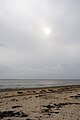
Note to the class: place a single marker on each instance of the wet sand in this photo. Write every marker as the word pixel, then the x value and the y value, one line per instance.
pixel 51 103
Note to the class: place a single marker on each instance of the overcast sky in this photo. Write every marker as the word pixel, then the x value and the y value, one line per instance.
pixel 39 39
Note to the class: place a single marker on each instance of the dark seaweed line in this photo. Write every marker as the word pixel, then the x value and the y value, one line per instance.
pixel 24 95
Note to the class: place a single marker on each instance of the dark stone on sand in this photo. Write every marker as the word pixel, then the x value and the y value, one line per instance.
pixel 16 106
pixel 46 110
pixel 49 114
pixel 76 96
pixel 12 114
pixel 20 92
pixel 57 106
pixel 60 105
pixel 6 114
pixel 34 91
pixel 13 99
pixel 49 106
pixel 36 96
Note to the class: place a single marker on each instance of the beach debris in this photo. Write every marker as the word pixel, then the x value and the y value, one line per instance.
pixel 16 106
pixel 49 106
pixel 60 105
pixel 19 92
pixel 34 91
pixel 49 109
pixel 76 96
pixel 12 114
pixel 36 96
pixel 13 99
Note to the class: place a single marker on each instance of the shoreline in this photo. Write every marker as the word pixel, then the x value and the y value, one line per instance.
pixel 47 103
pixel 36 88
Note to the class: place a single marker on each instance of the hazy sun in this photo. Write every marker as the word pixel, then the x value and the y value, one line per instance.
pixel 47 31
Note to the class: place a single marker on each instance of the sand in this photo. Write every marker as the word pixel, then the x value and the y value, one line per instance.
pixel 55 103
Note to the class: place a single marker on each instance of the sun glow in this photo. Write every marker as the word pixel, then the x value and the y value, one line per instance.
pixel 47 31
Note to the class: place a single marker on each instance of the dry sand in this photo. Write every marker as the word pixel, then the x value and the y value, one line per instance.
pixel 57 103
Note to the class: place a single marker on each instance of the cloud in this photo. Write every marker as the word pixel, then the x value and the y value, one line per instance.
pixel 2 44
pixel 25 48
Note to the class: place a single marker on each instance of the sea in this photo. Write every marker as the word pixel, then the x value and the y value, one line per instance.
pixel 36 83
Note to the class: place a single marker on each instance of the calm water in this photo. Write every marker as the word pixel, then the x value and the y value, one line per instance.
pixel 32 83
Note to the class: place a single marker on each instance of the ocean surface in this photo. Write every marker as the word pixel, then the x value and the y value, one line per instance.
pixel 34 83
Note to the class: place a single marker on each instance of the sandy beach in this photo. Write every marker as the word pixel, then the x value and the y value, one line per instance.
pixel 51 103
